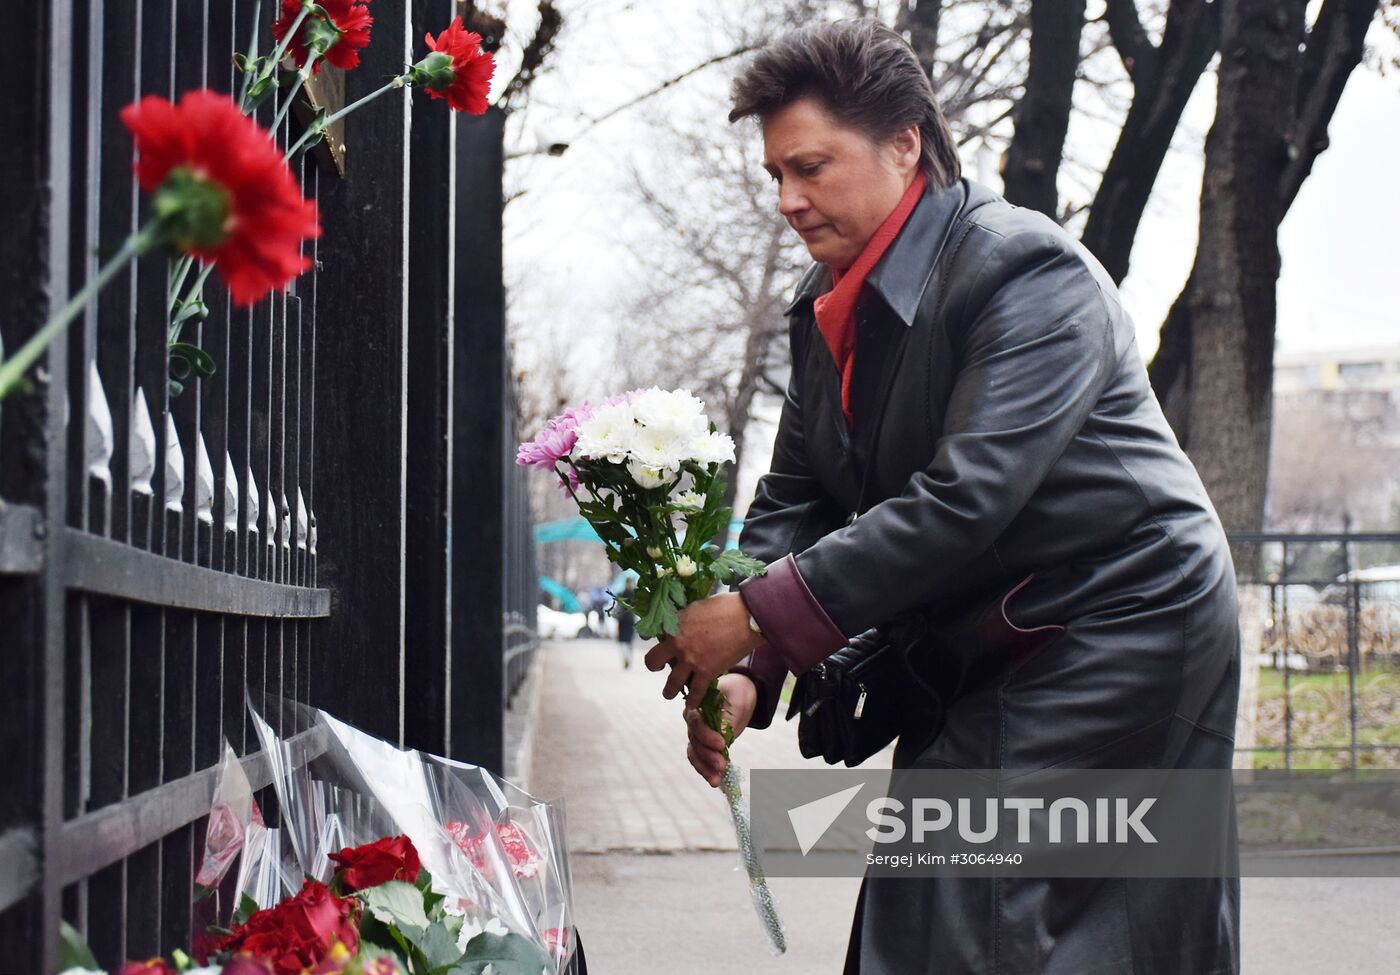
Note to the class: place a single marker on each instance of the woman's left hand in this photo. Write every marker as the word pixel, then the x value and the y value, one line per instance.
pixel 714 636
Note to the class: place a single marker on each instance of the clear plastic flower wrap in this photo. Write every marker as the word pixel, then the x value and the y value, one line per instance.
pixel 494 857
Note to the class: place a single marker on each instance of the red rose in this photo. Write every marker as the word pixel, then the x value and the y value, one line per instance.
pixel 222 191
pixel 392 858
pixel 467 81
pixel 298 933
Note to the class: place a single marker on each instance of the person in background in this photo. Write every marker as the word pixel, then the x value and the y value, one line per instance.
pixel 626 625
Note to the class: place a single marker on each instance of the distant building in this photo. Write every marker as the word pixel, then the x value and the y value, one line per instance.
pixel 1336 440
pixel 1374 369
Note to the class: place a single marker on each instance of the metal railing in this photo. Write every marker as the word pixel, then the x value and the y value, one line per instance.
pixel 1328 647
pixel 326 518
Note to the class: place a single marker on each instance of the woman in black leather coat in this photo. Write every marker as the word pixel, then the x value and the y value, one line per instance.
pixel 1022 461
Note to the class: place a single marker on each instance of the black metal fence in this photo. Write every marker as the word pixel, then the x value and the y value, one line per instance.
pixel 331 517
pixel 1326 611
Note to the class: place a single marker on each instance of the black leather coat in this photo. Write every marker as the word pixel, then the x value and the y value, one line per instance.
pixel 1020 439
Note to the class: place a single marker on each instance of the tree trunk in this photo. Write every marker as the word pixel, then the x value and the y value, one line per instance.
pixel 919 19
pixel 1216 361
pixel 1042 116
pixel 1163 79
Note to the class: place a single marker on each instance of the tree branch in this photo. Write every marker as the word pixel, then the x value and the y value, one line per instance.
pixel 668 83
pixel 919 20
pixel 1335 47
pixel 1042 117
pixel 535 53
pixel 1133 44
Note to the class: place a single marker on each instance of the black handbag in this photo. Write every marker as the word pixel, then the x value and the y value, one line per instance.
pixel 860 698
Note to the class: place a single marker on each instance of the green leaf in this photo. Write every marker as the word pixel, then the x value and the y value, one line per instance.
pixel 661 616
pixel 192 358
pixel 732 566
pixel 397 904
pixel 247 907
pixel 436 944
pixel 507 954
pixel 259 90
pixel 73 950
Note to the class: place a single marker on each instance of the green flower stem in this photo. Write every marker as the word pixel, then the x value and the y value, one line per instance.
pixel 281 49
pixel 182 268
pixel 14 368
pixel 196 293
pixel 397 82
pixel 252 55
pixel 302 77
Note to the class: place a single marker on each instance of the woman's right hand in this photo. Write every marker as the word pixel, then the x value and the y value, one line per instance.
pixel 706 748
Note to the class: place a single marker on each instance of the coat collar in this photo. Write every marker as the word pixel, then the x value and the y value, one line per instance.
pixel 903 272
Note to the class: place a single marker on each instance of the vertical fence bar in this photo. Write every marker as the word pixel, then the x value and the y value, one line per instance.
pixel 478 483
pixel 361 353
pixel 1353 616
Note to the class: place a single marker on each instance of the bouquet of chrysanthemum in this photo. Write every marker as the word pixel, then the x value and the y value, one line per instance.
pixel 647 470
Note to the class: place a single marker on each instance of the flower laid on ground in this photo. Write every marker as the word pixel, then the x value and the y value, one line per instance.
pixel 221 190
pixel 296 934
pixel 334 29
pixel 646 469
pixel 372 864
pixel 457 70
pixel 524 861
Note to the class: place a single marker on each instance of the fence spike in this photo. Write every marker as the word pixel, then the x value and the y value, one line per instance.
pixel 203 482
pixel 141 446
pixel 230 494
pixel 174 467
pixel 99 429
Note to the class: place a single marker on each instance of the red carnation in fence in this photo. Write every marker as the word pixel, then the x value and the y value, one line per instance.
pixel 464 80
pixel 222 191
pixel 338 33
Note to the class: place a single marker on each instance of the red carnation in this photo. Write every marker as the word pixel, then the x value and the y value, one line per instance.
pixel 372 864
pixel 222 190
pixel 298 933
pixel 466 80
pixel 338 34
pixel 523 860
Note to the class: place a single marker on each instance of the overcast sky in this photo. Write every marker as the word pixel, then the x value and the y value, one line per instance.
pixel 567 268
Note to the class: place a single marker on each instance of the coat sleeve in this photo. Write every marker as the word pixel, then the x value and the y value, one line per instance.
pixel 789 512
pixel 1037 351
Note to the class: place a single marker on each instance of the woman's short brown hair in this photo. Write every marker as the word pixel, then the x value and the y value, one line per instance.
pixel 865 75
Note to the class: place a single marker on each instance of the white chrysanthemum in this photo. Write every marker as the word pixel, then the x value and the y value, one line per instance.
pixel 660 447
pixel 690 499
pixel 607 434
pixel 685 567
pixel 713 448
pixel 648 478
pixel 674 410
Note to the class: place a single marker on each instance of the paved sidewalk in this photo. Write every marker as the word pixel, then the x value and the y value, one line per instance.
pixel 658 888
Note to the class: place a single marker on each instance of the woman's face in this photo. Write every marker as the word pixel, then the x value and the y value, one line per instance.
pixel 835 185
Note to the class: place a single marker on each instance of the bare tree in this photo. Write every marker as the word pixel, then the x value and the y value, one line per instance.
pixel 718 262
pixel 1279 84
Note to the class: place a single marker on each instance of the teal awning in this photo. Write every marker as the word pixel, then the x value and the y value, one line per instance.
pixel 568 602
